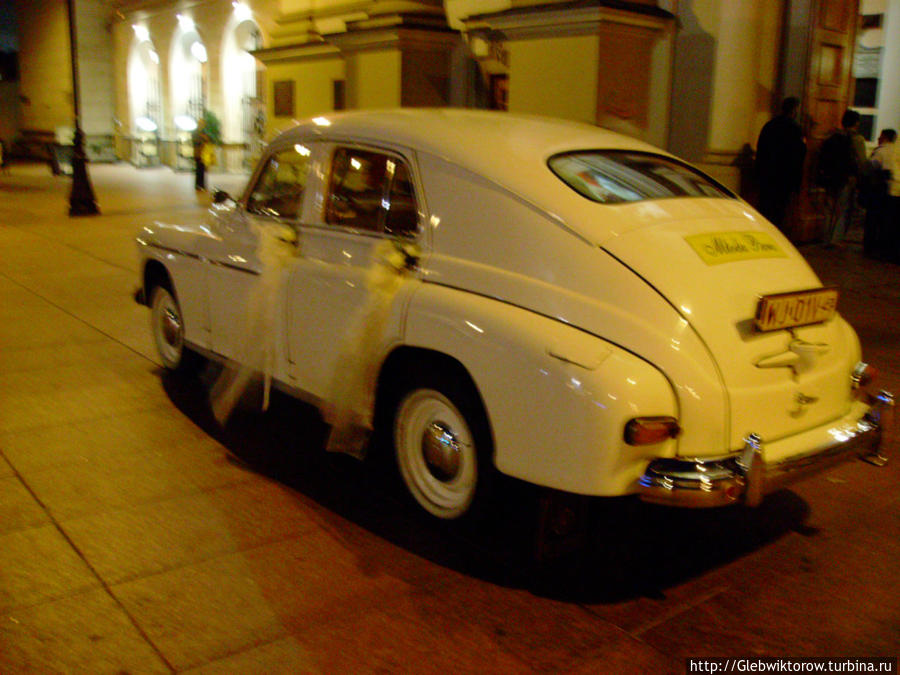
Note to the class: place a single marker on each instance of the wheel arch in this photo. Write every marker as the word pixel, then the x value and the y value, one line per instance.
pixel 156 274
pixel 404 358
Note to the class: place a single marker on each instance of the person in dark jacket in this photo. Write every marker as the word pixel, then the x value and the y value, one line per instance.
pixel 780 152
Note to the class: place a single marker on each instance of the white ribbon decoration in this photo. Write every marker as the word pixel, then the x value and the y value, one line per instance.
pixel 275 251
pixel 351 399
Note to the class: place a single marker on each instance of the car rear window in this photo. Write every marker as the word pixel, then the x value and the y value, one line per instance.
pixel 614 177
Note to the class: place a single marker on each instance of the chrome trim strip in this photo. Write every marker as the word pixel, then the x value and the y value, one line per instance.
pixel 232 266
pixel 702 483
pixel 195 256
pixel 176 251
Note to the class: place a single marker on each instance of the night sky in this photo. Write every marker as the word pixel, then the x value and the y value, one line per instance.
pixel 8 39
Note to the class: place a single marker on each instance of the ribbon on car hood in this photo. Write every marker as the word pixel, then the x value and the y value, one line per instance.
pixel 255 355
pixel 349 410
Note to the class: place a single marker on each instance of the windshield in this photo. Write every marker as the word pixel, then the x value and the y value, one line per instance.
pixel 613 177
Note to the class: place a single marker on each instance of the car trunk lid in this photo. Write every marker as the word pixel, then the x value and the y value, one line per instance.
pixel 714 269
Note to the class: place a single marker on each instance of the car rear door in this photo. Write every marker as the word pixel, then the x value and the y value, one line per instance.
pixel 367 196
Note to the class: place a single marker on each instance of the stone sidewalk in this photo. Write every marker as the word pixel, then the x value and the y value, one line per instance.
pixel 138 537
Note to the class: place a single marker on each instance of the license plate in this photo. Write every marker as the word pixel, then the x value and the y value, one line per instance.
pixel 800 308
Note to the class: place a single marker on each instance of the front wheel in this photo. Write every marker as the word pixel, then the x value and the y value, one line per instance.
pixel 442 447
pixel 168 332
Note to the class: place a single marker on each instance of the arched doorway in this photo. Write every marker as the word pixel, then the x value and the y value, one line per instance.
pixel 243 114
pixel 187 85
pixel 144 99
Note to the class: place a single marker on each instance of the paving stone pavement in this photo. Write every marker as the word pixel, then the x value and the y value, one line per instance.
pixel 137 537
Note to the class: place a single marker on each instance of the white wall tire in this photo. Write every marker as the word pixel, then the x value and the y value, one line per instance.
pixel 437 452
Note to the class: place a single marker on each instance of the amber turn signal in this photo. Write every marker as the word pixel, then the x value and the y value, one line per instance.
pixel 649 430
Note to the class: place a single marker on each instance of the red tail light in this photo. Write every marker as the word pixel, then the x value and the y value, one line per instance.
pixel 650 430
pixel 863 375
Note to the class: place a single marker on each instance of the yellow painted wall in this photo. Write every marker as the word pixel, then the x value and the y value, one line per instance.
pixel 44 64
pixel 748 35
pixel 121 37
pixel 313 89
pixel 373 79
pixel 660 102
pixel 555 77
pixel 349 6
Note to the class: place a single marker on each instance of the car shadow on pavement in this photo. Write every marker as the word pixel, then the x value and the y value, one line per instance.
pixel 624 549
pixel 637 550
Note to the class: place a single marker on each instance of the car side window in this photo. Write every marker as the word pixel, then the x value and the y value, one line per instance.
pixel 402 216
pixel 371 191
pixel 279 189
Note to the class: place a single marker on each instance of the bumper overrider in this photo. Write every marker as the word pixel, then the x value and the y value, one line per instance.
pixel 746 477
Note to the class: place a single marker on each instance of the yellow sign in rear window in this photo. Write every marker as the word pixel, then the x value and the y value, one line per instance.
pixel 716 248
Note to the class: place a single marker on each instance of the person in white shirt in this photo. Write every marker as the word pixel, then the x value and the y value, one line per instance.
pixel 882 233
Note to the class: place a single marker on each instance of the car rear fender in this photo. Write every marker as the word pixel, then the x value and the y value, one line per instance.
pixel 557 398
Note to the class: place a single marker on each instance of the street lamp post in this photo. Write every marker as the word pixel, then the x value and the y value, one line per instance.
pixel 81 198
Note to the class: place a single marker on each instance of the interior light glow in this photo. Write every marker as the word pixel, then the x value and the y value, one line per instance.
pixel 154 56
pixel 302 150
pixel 185 122
pixel 145 124
pixel 356 164
pixel 241 11
pixel 186 23
pixel 198 51
pixel 141 33
pixel 322 121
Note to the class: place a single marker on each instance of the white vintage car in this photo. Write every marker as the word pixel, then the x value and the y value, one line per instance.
pixel 572 308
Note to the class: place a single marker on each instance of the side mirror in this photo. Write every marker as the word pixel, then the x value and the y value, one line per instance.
pixel 220 197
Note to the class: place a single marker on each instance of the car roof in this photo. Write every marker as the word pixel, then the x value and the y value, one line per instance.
pixel 507 149
pixel 489 142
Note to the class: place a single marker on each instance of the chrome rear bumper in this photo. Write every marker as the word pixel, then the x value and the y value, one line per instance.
pixel 700 483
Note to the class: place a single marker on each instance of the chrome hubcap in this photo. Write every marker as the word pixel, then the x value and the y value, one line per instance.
pixel 441 450
pixel 171 327
pixel 436 453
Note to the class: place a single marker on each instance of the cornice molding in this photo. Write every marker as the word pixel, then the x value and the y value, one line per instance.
pixel 556 19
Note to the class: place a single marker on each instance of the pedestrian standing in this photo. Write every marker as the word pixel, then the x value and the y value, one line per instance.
pixel 199 139
pixel 780 152
pixel 841 160
pixel 882 230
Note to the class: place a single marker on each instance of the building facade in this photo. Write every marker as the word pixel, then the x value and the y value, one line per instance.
pixel 696 77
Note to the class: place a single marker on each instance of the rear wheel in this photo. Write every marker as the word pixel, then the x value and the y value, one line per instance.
pixel 442 445
pixel 168 332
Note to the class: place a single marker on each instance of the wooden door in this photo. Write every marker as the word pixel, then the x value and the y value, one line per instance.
pixel 829 86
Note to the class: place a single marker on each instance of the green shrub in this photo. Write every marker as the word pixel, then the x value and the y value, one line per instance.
pixel 213 127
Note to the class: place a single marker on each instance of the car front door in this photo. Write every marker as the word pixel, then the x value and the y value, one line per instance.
pixel 367 197
pixel 241 286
